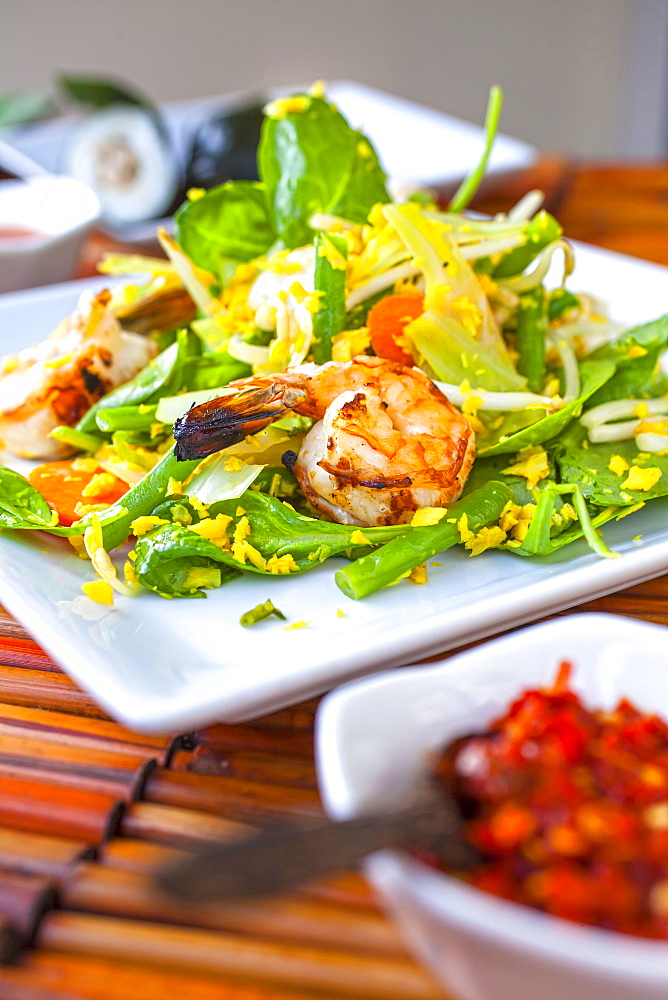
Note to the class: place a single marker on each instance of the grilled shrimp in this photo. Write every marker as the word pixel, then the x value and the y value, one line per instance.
pixel 58 380
pixel 386 443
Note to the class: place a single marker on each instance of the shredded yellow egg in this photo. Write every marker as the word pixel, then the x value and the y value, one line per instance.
pixel 427 516
pixel 332 254
pixel 349 343
pixel 641 410
pixel 99 484
pixel 288 628
pixel 85 465
pixel 99 591
pixel 636 351
pixel 629 510
pixel 419 573
pixel 359 538
pixel 214 529
pixel 201 508
pixel 174 487
pixel 141 525
pixel 486 538
pixel 465 532
pixel 515 519
pixel 284 106
pixel 531 464
pixel 618 465
pixel 641 479
pixel 281 565
pixel 234 464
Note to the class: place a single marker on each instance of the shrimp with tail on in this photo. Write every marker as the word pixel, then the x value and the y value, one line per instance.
pixel 386 443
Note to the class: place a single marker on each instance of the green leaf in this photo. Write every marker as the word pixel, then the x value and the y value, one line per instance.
pixel 398 557
pixel 19 109
pixel 541 231
pixel 156 377
pixel 635 371
pixel 330 284
pixel 97 92
pixel 167 556
pixel 23 507
pixel 230 222
pixel 277 529
pixel 593 375
pixel 312 161
pixel 590 468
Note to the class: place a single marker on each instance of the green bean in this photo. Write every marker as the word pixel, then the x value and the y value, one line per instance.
pixel 81 440
pixel 530 337
pixel 396 558
pixel 126 418
pixel 140 500
pixel 330 284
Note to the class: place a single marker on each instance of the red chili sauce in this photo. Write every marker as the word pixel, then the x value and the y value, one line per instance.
pixel 569 808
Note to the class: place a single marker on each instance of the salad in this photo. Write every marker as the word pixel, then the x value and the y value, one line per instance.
pixel 318 371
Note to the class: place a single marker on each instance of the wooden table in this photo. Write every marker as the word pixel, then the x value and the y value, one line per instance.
pixel 88 809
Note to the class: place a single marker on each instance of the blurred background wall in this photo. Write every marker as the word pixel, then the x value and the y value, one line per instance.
pixel 582 76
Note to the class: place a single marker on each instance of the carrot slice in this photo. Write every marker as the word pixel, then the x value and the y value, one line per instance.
pixel 386 322
pixel 62 486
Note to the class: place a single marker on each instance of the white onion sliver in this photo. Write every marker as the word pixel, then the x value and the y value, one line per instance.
pixel 527 206
pixel 621 431
pixel 499 401
pixel 377 284
pixel 571 369
pixel 649 441
pixel 620 408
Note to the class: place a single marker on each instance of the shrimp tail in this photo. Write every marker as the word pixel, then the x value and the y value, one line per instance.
pixel 227 420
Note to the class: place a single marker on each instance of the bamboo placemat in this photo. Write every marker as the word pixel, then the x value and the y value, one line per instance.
pixel 88 809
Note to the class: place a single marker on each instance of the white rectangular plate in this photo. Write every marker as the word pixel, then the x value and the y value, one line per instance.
pixel 166 665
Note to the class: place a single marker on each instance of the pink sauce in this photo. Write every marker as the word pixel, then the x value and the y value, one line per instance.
pixel 14 232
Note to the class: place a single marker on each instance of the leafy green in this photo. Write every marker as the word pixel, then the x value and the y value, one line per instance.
pixel 542 230
pixel 311 161
pixel 635 371
pixel 590 468
pixel 545 536
pixel 232 221
pixel 560 301
pixel 21 505
pixel 95 92
pixel 156 376
pixel 593 375
pixel 330 283
pixel 397 558
pixel 167 556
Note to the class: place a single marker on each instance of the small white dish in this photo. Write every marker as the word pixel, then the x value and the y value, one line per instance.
pixel 43 224
pixel 373 741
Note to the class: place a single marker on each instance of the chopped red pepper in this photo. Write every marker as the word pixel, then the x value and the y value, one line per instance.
pixel 569 807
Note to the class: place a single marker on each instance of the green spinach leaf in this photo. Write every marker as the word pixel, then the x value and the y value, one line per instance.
pixel 230 222
pixel 593 375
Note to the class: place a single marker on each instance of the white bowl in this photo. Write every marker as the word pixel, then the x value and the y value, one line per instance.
pixel 61 210
pixel 373 739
